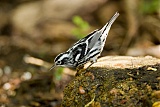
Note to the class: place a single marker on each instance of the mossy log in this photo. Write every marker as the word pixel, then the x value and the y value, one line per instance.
pixel 116 81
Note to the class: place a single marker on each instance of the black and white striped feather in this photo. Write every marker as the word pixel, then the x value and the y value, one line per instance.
pixel 86 49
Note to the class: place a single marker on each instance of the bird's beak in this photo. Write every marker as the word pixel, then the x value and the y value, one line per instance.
pixel 52 67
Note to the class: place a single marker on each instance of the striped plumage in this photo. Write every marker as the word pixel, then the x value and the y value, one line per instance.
pixel 86 49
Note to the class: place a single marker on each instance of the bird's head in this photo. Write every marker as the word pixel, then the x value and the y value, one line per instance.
pixel 62 60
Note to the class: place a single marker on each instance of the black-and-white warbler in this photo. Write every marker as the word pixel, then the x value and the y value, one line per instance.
pixel 86 49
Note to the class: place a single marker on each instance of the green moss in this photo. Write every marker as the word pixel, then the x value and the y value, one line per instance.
pixel 112 88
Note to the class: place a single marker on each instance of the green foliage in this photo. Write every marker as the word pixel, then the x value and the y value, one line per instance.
pixel 82 26
pixel 58 73
pixel 150 6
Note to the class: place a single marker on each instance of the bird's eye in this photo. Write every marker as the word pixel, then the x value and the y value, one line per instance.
pixel 58 62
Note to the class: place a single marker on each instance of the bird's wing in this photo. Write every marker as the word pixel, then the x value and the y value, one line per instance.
pixel 97 40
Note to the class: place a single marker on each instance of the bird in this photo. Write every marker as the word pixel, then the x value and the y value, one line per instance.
pixel 87 49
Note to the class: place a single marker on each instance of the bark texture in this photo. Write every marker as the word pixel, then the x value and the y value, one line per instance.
pixel 116 81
